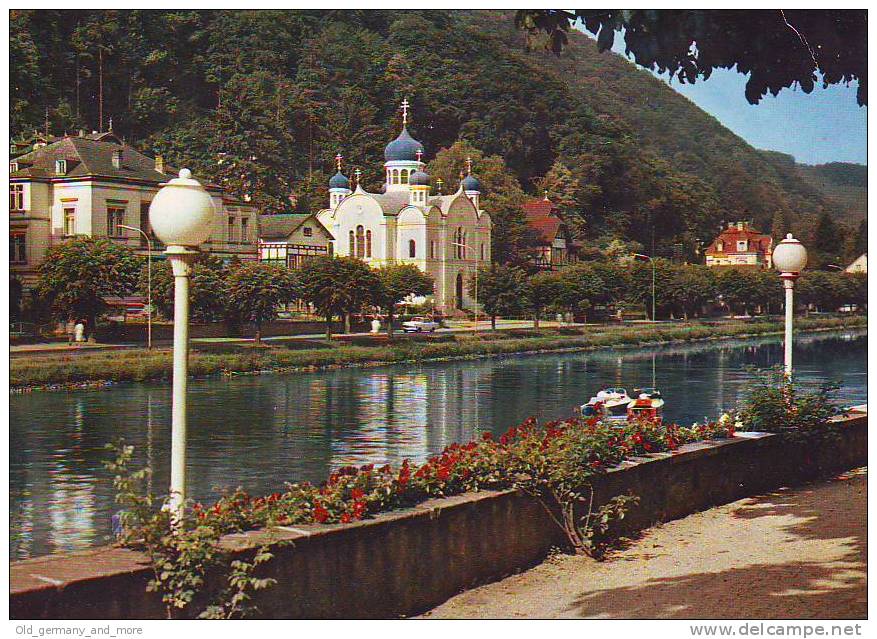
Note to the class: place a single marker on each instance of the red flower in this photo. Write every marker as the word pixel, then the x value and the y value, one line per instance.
pixel 320 514
pixel 346 518
pixel 357 493
pixel 359 509
pixel 443 473
pixel 488 436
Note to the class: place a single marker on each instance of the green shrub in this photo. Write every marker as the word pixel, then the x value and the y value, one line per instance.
pixel 777 403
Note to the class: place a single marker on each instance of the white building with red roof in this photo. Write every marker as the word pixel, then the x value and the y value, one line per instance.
pixel 740 245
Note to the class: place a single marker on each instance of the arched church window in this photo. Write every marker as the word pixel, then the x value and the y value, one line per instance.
pixel 360 241
pixel 404 176
pixel 432 249
pixel 352 249
pixel 481 252
pixel 368 243
pixel 395 176
pixel 412 248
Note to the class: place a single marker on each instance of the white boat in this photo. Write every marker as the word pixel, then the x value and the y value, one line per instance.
pixel 649 404
pixel 609 403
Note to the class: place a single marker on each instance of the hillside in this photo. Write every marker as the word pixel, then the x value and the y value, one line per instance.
pixel 261 101
pixel 746 179
pixel 845 186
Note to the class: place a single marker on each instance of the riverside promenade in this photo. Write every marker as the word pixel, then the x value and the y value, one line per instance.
pixel 796 553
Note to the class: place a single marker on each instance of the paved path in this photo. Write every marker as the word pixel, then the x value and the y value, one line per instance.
pixel 46 349
pixel 792 554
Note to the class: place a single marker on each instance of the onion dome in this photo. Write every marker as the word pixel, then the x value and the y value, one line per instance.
pixel 339 181
pixel 470 183
pixel 403 148
pixel 419 178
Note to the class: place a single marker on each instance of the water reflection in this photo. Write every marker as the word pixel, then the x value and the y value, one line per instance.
pixel 260 432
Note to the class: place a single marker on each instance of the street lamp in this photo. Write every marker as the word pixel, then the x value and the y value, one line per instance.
pixel 148 282
pixel 180 215
pixel 465 248
pixel 789 258
pixel 647 257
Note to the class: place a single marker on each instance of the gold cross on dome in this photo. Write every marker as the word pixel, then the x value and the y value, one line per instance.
pixel 405 106
pixel 357 174
pixel 469 165
pixel 438 184
pixel 419 155
pixel 338 159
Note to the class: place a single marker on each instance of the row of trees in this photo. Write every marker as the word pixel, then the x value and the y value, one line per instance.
pixel 681 290
pixel 78 275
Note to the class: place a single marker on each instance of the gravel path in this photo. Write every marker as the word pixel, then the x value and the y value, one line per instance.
pixel 797 553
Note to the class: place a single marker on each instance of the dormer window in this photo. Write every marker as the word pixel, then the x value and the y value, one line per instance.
pixel 61 167
pixel 742 246
pixel 13 167
pixel 720 246
pixel 308 231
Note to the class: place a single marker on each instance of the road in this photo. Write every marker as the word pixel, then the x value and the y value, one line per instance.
pixel 799 554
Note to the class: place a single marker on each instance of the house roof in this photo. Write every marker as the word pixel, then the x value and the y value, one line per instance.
pixel 90 155
pixel 281 226
pixel 542 217
pixel 758 242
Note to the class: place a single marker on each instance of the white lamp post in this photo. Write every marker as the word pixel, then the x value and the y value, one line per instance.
pixel 789 258
pixel 647 257
pixel 148 282
pixel 465 249
pixel 180 215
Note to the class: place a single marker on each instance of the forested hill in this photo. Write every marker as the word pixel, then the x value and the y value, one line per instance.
pixel 694 141
pixel 844 185
pixel 262 100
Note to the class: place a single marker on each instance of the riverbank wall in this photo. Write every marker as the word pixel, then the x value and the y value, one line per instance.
pixel 405 562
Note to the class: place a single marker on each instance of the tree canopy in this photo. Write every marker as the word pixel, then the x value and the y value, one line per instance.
pixel 78 274
pixel 777 48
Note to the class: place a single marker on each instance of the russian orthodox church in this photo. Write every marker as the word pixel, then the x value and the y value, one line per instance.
pixel 447 236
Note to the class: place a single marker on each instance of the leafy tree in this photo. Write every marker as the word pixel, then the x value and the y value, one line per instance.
pixel 15 296
pixel 690 288
pixel 79 273
pixel 825 244
pixel 778 49
pixel 256 290
pixel 502 290
pixel 399 281
pixel 337 286
pixel 582 287
pixel 740 288
pixel 501 197
pixel 208 291
pixel 546 289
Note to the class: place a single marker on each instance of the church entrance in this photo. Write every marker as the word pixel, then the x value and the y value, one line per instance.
pixel 459 291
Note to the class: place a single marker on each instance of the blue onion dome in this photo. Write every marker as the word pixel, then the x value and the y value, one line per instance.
pixel 470 183
pixel 419 178
pixel 403 148
pixel 339 181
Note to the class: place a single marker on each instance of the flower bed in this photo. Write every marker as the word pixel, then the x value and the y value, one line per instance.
pixel 569 451
pixel 406 561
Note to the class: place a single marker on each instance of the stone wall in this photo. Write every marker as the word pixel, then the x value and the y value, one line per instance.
pixel 408 561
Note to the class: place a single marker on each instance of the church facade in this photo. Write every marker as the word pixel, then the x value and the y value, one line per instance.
pixel 446 236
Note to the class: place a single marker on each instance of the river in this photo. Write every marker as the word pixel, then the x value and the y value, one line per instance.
pixel 262 431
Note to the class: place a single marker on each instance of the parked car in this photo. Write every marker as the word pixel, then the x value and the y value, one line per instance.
pixel 419 325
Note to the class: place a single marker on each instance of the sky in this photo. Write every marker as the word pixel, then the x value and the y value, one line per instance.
pixel 826 125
